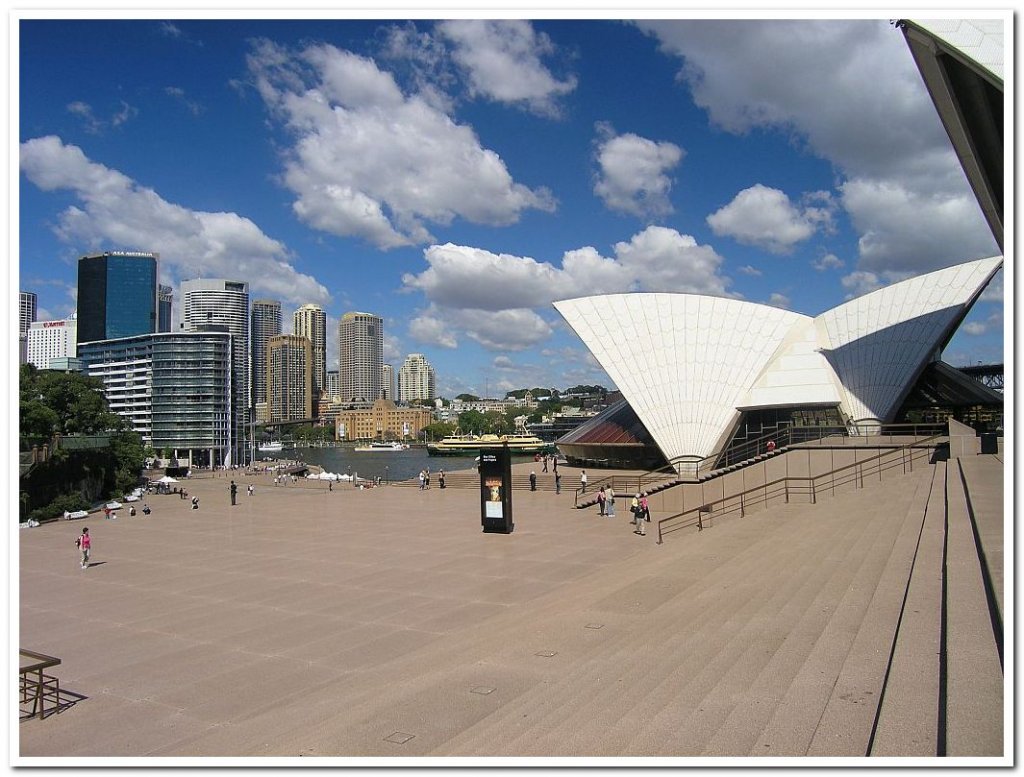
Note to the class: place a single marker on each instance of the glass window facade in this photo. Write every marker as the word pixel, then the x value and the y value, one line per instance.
pixel 117 296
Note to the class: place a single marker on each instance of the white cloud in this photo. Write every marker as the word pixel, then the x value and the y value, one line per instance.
pixel 95 125
pixel 116 212
pixel 429 328
pixel 765 217
pixel 83 110
pixel 495 330
pixel 633 173
pixel 861 282
pixel 902 230
pixel 751 271
pixel 502 62
pixel 661 259
pixel 828 262
pixel 504 330
pixel 491 298
pixel 778 300
pixel 371 162
pixel 849 91
pixel 974 328
pixel 656 259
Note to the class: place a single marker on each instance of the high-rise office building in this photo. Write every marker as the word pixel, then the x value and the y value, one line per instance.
pixel 360 356
pixel 49 340
pixel 164 298
pixel 265 323
pixel 175 389
pixel 212 304
pixel 117 295
pixel 416 379
pixel 289 378
pixel 332 387
pixel 28 305
pixel 387 382
pixel 310 321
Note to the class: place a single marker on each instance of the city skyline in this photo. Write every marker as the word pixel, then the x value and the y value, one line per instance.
pixel 793 163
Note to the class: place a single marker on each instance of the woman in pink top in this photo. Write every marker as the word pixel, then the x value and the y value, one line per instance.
pixel 84 544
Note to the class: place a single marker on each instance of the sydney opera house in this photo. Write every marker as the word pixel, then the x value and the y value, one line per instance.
pixel 697 371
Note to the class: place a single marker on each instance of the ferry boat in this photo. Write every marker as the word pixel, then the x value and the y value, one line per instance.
pixel 271 447
pixel 471 444
pixel 381 446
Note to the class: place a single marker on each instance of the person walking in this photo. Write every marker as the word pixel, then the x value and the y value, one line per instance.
pixel 195 503
pixel 423 479
pixel 440 479
pixel 84 544
pixel 533 481
pixel 634 508
pixel 545 469
pixel 583 482
pixel 426 478
pixel 558 482
pixel 234 493
pixel 644 516
pixel 601 500
pixel 609 502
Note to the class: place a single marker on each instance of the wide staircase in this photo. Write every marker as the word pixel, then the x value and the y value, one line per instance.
pixel 869 624
pixel 866 625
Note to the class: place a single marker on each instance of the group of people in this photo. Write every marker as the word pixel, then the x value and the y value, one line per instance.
pixel 638 507
pixel 545 459
pixel 425 479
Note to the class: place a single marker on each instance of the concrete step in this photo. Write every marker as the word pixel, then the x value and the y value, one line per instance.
pixel 848 718
pixel 708 705
pixel 974 677
pixel 793 724
pixel 834 622
pixel 983 476
pixel 908 714
pixel 611 684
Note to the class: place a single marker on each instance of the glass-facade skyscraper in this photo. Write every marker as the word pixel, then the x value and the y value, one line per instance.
pixel 218 304
pixel 117 295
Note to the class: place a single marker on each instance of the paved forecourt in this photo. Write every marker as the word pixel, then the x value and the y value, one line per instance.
pixel 383 623
pixel 189 623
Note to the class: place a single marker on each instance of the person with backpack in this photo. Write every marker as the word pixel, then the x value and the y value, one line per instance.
pixel 84 544
pixel 601 499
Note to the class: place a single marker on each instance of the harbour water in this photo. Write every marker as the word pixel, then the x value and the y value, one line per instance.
pixel 387 465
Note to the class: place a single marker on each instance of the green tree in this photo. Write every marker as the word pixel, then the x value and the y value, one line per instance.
pixel 77 400
pixel 472 422
pixel 437 430
pixel 130 454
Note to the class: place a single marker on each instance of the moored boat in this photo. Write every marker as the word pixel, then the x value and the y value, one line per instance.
pixel 381 446
pixel 471 444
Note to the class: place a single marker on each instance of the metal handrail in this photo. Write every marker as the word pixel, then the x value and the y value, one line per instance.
pixel 849 473
pixel 36 689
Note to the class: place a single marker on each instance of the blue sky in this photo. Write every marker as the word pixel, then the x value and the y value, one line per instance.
pixel 457 177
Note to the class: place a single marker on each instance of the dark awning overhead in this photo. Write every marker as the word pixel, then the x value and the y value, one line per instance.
pixel 968 96
pixel 942 385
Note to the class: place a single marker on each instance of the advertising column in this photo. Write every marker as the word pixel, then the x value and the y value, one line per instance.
pixel 496 490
